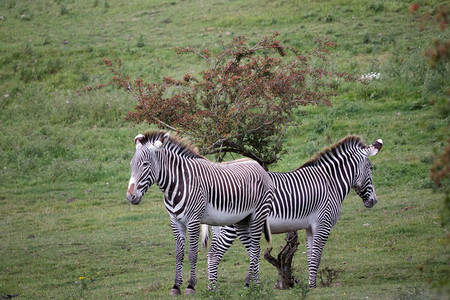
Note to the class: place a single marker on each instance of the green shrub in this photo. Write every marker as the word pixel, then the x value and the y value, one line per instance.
pixel 64 10
pixel 376 6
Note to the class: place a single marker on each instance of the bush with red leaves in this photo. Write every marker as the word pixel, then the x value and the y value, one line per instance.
pixel 242 102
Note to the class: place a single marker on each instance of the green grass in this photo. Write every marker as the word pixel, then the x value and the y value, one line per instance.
pixel 66 230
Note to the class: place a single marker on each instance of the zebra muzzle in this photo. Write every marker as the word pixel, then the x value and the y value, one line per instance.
pixel 131 195
pixel 133 199
pixel 370 202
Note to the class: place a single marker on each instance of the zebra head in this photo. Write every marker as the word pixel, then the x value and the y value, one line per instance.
pixel 363 184
pixel 145 166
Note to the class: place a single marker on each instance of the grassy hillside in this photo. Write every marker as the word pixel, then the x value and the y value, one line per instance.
pixel 66 229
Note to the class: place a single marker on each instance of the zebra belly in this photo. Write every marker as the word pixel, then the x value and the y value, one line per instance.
pixel 278 225
pixel 213 216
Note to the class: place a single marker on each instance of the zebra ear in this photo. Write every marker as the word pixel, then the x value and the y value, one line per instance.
pixel 373 149
pixel 165 138
pixel 139 140
pixel 159 143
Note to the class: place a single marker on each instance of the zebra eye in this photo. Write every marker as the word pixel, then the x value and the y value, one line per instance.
pixel 145 164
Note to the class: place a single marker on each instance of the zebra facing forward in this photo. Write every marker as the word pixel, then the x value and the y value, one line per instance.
pixel 310 197
pixel 198 191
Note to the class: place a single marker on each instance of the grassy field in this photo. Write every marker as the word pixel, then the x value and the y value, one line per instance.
pixel 66 229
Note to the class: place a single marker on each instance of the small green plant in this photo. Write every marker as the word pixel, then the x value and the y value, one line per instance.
pixel 53 66
pixel 25 17
pixel 376 6
pixel 64 10
pixel 258 291
pixel 10 4
pixel 140 43
pixel 366 38
pixel 219 293
pixel 327 276
pixel 301 289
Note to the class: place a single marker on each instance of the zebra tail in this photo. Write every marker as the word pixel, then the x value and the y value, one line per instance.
pixel 205 235
pixel 267 232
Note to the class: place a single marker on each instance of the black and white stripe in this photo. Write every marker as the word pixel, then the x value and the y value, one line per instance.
pixel 198 191
pixel 310 197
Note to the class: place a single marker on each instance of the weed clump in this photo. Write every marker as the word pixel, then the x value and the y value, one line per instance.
pixel 64 10
pixel 328 276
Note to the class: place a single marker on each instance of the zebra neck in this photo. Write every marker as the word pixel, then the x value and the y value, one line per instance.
pixel 173 180
pixel 340 173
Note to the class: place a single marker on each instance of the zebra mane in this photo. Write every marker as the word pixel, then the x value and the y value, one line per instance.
pixel 347 143
pixel 175 144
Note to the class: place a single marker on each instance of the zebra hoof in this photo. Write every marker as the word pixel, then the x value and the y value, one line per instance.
pixel 189 291
pixel 175 292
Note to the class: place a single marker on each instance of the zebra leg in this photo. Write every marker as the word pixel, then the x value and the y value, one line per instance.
pixel 244 237
pixel 194 233
pixel 256 227
pixel 255 251
pixel 250 239
pixel 179 233
pixel 219 245
pixel 319 239
pixel 309 244
pixel 256 223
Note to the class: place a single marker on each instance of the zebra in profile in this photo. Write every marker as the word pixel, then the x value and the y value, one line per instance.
pixel 310 197
pixel 198 191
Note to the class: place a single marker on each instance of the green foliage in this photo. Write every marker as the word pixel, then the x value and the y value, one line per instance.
pixel 140 43
pixel 259 292
pixel 64 156
pixel 64 10
pixel 376 6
